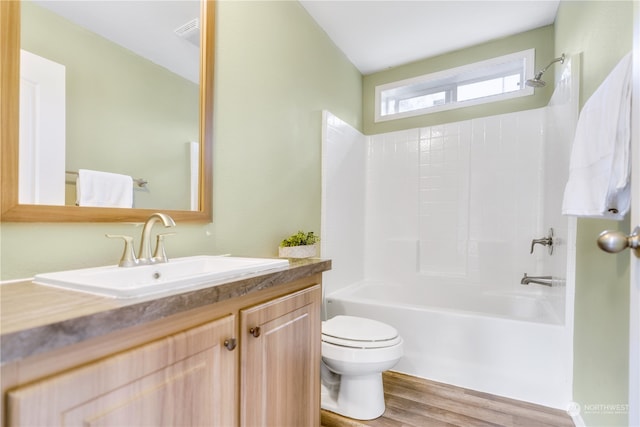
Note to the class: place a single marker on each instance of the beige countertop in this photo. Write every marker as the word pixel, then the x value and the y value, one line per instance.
pixel 36 318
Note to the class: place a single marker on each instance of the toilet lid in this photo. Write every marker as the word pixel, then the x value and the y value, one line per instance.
pixel 350 331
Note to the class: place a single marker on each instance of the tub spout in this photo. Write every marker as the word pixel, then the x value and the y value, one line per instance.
pixel 540 280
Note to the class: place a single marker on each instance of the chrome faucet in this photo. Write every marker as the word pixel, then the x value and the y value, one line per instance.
pixel 540 280
pixel 144 254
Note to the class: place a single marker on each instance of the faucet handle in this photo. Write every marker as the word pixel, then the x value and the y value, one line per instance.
pixel 545 241
pixel 159 255
pixel 128 256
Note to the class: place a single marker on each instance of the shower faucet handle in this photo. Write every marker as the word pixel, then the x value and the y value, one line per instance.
pixel 545 241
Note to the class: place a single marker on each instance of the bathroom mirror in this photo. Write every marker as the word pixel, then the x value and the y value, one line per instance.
pixel 198 153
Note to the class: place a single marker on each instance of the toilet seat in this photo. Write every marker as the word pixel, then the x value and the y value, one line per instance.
pixel 358 332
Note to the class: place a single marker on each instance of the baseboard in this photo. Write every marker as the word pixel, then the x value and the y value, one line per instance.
pixel 578 421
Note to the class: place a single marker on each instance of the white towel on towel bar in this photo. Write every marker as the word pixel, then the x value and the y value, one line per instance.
pixel 599 171
pixel 104 189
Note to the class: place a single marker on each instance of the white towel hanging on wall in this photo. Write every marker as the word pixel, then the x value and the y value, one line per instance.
pixel 599 171
pixel 104 189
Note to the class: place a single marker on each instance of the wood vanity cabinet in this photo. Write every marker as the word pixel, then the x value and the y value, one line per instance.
pixel 199 376
pixel 181 380
pixel 280 359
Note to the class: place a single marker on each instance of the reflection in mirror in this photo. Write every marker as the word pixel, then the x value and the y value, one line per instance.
pixel 130 115
pixel 135 110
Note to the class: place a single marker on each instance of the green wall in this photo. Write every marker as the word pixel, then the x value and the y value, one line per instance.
pixel 276 70
pixel 602 32
pixel 124 114
pixel 541 39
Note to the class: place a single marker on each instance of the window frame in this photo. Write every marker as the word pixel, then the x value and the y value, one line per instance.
pixel 451 78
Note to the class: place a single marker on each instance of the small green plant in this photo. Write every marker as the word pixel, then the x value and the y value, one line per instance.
pixel 300 239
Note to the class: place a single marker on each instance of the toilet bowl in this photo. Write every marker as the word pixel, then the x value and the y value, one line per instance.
pixel 355 352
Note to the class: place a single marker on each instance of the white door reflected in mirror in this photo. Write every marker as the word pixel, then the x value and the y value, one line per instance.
pixel 42 131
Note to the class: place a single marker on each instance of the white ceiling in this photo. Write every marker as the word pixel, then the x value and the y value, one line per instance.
pixel 144 27
pixel 379 34
pixel 373 34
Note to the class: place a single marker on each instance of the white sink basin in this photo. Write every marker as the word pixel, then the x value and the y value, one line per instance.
pixel 121 282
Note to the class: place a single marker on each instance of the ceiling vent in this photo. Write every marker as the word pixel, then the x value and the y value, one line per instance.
pixel 190 31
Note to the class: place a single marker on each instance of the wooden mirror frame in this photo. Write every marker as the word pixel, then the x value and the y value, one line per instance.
pixel 12 211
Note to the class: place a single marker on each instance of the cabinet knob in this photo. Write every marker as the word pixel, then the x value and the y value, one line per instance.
pixel 230 344
pixel 255 331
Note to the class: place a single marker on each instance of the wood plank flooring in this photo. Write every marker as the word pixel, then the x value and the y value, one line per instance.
pixel 416 402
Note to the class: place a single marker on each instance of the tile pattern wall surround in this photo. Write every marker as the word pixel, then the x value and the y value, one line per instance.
pixel 444 199
pixel 458 202
pixel 505 197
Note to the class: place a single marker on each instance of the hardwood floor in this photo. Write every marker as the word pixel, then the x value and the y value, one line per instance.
pixel 415 402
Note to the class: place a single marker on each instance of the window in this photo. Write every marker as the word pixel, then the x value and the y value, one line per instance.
pixel 482 82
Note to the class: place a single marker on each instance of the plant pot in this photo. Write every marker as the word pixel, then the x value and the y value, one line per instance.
pixel 306 251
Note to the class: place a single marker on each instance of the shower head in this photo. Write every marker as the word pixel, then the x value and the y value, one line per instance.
pixel 537 80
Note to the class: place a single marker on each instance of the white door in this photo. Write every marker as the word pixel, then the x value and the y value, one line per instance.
pixel 634 291
pixel 41 178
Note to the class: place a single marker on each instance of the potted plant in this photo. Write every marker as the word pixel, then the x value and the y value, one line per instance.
pixel 299 245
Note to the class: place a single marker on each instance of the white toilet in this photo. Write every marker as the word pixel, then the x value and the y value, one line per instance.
pixel 355 352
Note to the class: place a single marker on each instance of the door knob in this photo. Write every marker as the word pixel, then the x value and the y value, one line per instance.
pixel 616 241
pixel 255 331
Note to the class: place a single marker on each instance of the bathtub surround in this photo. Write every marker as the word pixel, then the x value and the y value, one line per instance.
pixel 450 213
pixel 343 201
pixel 461 201
pixel 561 115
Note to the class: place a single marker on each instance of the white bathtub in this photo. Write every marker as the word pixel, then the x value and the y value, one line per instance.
pixel 512 345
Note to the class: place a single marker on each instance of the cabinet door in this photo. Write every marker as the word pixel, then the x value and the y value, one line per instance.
pixel 186 379
pixel 280 361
